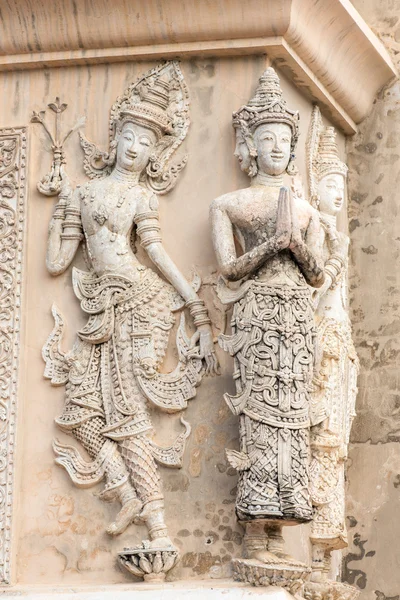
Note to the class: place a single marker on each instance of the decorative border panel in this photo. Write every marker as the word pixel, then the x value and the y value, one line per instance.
pixel 13 151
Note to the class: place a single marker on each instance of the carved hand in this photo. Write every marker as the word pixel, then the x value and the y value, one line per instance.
pixel 339 245
pixel 204 336
pixel 283 220
pixel 296 239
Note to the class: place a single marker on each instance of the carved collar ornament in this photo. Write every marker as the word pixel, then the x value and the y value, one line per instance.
pixel 267 106
pixel 158 100
pixel 322 154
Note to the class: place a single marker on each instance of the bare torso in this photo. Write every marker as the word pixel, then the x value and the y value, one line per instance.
pixel 108 209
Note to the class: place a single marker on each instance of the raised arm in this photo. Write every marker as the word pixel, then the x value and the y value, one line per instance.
pixel 65 232
pixel 148 229
pixel 308 252
pixel 335 266
pixel 234 268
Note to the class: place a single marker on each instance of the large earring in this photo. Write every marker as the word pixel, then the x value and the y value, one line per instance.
pixel 291 169
pixel 112 155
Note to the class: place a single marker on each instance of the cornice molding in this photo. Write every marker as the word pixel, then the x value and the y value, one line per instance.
pixel 326 47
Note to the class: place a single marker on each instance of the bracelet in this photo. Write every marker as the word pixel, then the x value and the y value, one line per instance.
pixel 72 236
pixel 59 212
pixel 198 311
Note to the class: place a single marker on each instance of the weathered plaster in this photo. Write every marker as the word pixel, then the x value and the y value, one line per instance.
pixel 373 477
pixel 59 533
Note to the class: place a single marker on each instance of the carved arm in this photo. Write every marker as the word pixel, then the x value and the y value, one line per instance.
pixel 65 232
pixel 308 252
pixel 148 229
pixel 233 268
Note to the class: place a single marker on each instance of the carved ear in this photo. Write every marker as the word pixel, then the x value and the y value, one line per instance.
pixel 97 164
pixel 292 169
pixel 249 140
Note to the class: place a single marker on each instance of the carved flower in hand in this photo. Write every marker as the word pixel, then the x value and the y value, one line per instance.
pixel 100 214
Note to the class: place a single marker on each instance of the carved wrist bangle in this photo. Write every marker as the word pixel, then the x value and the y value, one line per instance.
pixel 59 212
pixel 198 311
pixel 72 236
pixel 332 269
pixel 74 223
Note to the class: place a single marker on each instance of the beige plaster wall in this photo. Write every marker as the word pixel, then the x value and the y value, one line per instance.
pixel 59 530
pixel 373 562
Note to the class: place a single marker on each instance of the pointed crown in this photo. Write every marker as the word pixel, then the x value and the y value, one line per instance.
pixel 327 158
pixel 267 106
pixel 147 102
pixel 322 154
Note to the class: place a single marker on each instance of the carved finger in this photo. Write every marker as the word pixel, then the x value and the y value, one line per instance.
pixel 284 221
pixel 194 339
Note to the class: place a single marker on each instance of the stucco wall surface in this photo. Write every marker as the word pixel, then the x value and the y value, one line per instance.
pixel 59 536
pixel 373 561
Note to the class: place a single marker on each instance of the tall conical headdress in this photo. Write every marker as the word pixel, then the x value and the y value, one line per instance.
pixel 268 106
pixel 322 153
pixel 158 100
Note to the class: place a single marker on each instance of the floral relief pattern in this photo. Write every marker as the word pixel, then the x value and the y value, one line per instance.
pixel 12 215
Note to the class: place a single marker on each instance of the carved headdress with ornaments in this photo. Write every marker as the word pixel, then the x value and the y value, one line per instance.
pixel 159 100
pixel 267 106
pixel 322 154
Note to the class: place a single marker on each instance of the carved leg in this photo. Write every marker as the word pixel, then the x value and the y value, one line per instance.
pixel 147 483
pixel 318 562
pixel 118 486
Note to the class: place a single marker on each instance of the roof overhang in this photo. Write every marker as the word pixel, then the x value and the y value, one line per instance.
pixel 326 47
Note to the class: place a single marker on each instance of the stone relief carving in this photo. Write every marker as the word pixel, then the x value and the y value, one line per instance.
pixel 335 378
pixel 51 184
pixel 273 333
pixel 112 374
pixel 13 160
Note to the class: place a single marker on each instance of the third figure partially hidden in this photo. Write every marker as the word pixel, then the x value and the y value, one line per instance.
pixel 335 377
pixel 273 333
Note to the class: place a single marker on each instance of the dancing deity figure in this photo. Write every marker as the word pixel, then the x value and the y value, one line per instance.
pixel 273 332
pixel 112 373
pixel 335 378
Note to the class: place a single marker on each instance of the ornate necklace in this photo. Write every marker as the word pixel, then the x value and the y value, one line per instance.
pixel 124 195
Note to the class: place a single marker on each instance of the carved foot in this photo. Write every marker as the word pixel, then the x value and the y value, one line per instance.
pixel 149 563
pixel 125 517
pixel 330 590
pixel 278 558
pixel 277 572
pixel 290 561
pixel 163 542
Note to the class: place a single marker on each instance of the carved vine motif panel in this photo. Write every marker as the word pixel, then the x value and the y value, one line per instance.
pixel 13 150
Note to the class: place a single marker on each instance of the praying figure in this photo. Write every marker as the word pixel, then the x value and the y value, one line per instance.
pixel 335 377
pixel 273 332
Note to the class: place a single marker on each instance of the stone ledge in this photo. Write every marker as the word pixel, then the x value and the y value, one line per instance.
pixel 323 45
pixel 197 590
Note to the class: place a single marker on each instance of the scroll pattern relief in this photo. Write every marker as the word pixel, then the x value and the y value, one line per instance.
pixel 13 159
pixel 112 374
pixel 335 376
pixel 273 334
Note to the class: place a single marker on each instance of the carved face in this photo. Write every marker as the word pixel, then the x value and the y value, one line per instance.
pixel 331 193
pixel 135 145
pixel 272 141
pixel 242 152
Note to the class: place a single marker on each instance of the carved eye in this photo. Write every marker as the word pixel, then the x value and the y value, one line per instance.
pixel 285 139
pixel 144 140
pixel 128 137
